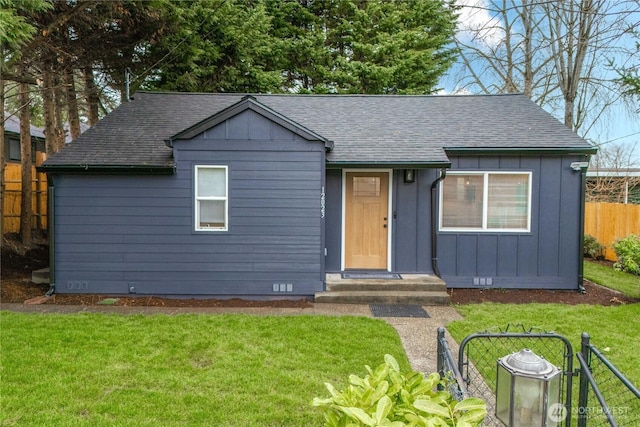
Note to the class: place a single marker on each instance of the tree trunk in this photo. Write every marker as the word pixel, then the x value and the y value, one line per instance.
pixel 91 95
pixel 49 110
pixel 72 103
pixel 60 99
pixel 570 50
pixel 528 54
pixel 568 111
pixel 2 161
pixel 26 165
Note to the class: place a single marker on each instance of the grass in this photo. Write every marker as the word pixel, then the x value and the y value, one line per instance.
pixel 187 370
pixel 616 328
pixel 628 284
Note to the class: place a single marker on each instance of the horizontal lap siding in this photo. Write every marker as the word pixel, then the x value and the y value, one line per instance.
pixel 115 232
pixel 546 257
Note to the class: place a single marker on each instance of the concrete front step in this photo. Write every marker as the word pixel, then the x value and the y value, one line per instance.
pixel 384 297
pixel 382 286
pixel 418 289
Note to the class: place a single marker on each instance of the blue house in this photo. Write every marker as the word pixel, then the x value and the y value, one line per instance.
pixel 225 195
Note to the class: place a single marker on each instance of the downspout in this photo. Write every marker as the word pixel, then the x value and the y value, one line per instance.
pixel 51 233
pixel 434 222
pixel 583 189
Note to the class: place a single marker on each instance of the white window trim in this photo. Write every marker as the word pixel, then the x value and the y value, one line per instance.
pixel 197 199
pixel 485 203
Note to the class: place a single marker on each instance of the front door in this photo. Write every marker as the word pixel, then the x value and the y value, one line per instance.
pixel 366 220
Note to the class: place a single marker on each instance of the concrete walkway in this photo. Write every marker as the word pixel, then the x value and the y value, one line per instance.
pixel 418 335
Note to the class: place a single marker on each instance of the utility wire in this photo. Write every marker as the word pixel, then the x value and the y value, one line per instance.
pixel 616 139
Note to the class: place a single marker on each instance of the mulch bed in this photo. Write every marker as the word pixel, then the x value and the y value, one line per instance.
pixel 17 288
pixel 595 295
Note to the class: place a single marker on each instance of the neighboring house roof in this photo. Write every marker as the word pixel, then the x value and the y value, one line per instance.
pixel 365 129
pixel 613 172
pixel 12 124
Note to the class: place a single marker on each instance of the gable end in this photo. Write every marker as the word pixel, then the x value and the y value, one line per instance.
pixel 249 103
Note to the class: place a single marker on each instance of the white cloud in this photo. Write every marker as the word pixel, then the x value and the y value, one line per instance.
pixel 476 25
pixel 456 91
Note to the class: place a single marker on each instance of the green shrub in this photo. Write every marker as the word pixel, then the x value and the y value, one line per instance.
pixel 592 248
pixel 628 254
pixel 388 397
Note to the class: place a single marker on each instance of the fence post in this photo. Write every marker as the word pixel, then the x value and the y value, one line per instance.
pixel 584 382
pixel 440 356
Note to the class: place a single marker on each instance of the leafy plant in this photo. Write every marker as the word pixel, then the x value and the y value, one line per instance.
pixel 591 247
pixel 628 253
pixel 388 397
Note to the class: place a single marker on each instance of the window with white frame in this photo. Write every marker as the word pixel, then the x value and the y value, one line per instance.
pixel 486 201
pixel 211 198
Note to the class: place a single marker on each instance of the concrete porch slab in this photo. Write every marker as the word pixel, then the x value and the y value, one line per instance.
pixel 420 289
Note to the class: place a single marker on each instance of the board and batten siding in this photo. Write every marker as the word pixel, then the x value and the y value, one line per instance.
pixel 547 257
pixel 410 222
pixel 126 234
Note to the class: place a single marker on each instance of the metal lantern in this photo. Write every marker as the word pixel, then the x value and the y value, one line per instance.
pixel 527 389
pixel 409 176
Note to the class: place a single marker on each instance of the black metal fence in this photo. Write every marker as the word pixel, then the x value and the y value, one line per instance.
pixel 607 398
pixel 601 397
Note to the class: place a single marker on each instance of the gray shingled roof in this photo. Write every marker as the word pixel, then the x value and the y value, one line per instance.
pixel 365 129
pixel 12 124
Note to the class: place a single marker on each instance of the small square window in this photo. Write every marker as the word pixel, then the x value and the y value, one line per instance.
pixel 211 187
pixel 14 149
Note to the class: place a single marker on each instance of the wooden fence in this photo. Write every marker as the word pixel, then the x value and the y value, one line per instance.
pixel 12 198
pixel 608 222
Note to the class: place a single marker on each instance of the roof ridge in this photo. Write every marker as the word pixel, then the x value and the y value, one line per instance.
pixel 328 95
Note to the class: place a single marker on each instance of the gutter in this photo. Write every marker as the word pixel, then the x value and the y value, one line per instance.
pixel 52 234
pixel 109 169
pixel 368 164
pixel 583 186
pixel 519 151
pixel 434 222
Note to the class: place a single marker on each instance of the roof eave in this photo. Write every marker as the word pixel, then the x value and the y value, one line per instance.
pixel 109 169
pixel 388 164
pixel 529 151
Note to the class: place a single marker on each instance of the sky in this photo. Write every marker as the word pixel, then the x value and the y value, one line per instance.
pixel 621 126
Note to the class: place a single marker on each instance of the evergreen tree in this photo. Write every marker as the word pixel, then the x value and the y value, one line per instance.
pixel 220 46
pixel 335 46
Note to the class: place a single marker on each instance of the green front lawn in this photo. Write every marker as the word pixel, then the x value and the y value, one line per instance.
pixel 614 330
pixel 628 284
pixel 187 370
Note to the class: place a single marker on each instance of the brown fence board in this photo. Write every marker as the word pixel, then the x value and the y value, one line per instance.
pixel 12 198
pixel 608 222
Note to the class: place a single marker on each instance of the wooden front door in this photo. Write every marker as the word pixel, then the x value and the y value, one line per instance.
pixel 366 220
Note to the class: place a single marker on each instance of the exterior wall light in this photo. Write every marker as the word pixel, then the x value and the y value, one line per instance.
pixel 578 166
pixel 409 176
pixel 528 391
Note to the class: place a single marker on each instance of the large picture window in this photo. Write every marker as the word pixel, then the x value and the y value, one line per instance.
pixel 486 201
pixel 211 198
